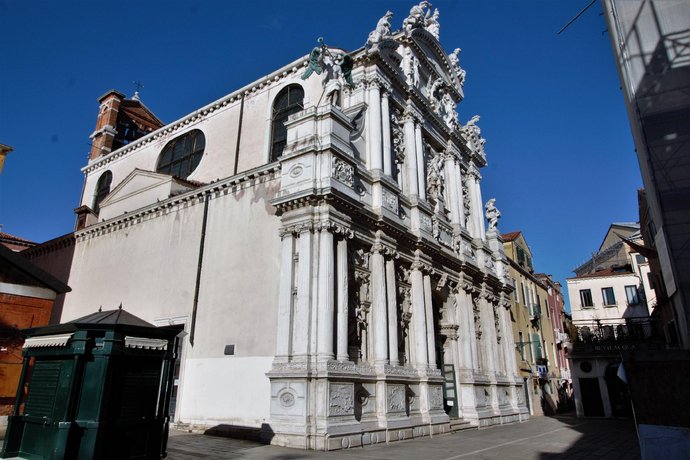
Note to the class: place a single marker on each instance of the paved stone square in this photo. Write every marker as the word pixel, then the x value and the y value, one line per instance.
pixel 542 438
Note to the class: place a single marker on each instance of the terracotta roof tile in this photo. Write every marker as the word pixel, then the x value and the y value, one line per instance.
pixel 510 236
pixel 605 272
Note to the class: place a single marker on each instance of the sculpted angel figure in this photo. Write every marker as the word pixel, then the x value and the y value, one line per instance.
pixel 314 64
pixel 383 30
pixel 492 213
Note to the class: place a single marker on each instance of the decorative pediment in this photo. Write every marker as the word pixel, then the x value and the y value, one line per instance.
pixel 141 188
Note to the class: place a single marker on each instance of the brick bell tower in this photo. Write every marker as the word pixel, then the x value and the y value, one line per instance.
pixel 104 135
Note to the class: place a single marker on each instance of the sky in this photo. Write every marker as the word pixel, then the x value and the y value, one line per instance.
pixel 561 162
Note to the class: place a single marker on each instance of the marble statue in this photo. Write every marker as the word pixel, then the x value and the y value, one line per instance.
pixel 455 65
pixel 432 24
pixel 450 116
pixel 382 31
pixel 492 213
pixel 417 17
pixel 410 66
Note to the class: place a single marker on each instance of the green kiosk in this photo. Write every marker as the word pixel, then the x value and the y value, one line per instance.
pixel 97 387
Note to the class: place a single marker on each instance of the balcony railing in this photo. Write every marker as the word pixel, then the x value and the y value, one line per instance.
pixel 616 330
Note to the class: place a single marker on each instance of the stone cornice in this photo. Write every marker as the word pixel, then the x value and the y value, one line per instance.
pixel 214 190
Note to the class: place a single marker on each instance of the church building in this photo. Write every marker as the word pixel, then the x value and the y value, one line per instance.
pixel 321 235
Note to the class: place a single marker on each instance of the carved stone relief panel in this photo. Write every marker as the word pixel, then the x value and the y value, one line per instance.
pixel 344 172
pixel 395 398
pixel 390 201
pixel 481 396
pixel 436 397
pixel 341 399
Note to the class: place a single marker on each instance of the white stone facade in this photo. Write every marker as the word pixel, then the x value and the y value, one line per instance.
pixel 355 276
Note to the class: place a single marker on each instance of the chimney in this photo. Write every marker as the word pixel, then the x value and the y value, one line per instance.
pixel 102 137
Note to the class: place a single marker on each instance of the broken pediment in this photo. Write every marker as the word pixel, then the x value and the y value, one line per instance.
pixel 139 189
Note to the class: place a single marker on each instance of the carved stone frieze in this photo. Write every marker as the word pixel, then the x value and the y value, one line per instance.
pixel 400 371
pixel 450 331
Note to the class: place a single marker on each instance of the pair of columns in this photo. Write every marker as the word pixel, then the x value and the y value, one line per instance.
pixel 306 286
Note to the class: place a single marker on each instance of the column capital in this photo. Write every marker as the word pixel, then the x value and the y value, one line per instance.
pixel 296 229
pixel 385 250
pixel 336 228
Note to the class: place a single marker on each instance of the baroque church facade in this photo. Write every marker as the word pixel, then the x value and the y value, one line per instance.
pixel 321 235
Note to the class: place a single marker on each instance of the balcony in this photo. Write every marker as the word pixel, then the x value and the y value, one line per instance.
pixel 616 335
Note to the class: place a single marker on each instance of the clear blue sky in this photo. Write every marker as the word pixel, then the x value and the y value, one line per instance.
pixel 562 166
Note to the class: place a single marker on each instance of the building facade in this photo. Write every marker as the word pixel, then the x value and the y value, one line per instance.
pixel 535 337
pixel 320 234
pixel 650 41
pixel 610 306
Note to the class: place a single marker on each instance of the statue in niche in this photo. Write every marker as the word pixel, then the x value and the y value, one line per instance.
pixel 432 88
pixel 417 17
pixel 434 179
pixel 466 203
pixel 432 24
pixel 492 213
pixel 410 66
pixel 450 116
pixel 382 31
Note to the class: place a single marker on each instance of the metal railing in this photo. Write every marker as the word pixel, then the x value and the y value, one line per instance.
pixel 616 330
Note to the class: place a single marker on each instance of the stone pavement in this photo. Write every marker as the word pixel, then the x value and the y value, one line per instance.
pixel 541 438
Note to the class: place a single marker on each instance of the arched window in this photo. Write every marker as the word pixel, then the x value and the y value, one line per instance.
pixel 289 101
pixel 102 189
pixel 182 155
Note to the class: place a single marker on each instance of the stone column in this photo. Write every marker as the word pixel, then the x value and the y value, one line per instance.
pixel 418 316
pixel 301 326
pixel 342 302
pixel 391 291
pixel 452 186
pixel 429 311
pixel 325 307
pixel 285 298
pixel 374 125
pixel 379 305
pixel 386 128
pixel 477 195
pixel 466 332
pixel 421 179
pixel 411 156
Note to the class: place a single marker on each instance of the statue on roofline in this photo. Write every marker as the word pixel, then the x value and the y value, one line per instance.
pixel 432 24
pixel 339 65
pixel 382 31
pixel 492 213
pixel 417 17
pixel 454 60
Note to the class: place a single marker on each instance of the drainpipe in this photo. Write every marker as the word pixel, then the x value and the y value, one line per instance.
pixel 239 136
pixel 198 269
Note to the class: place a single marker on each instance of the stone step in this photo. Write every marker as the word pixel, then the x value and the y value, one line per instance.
pixel 460 425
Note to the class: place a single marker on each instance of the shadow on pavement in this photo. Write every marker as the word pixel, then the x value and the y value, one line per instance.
pixel 603 438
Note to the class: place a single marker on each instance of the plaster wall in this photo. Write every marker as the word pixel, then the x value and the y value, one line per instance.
pixel 226 390
pixel 599 311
